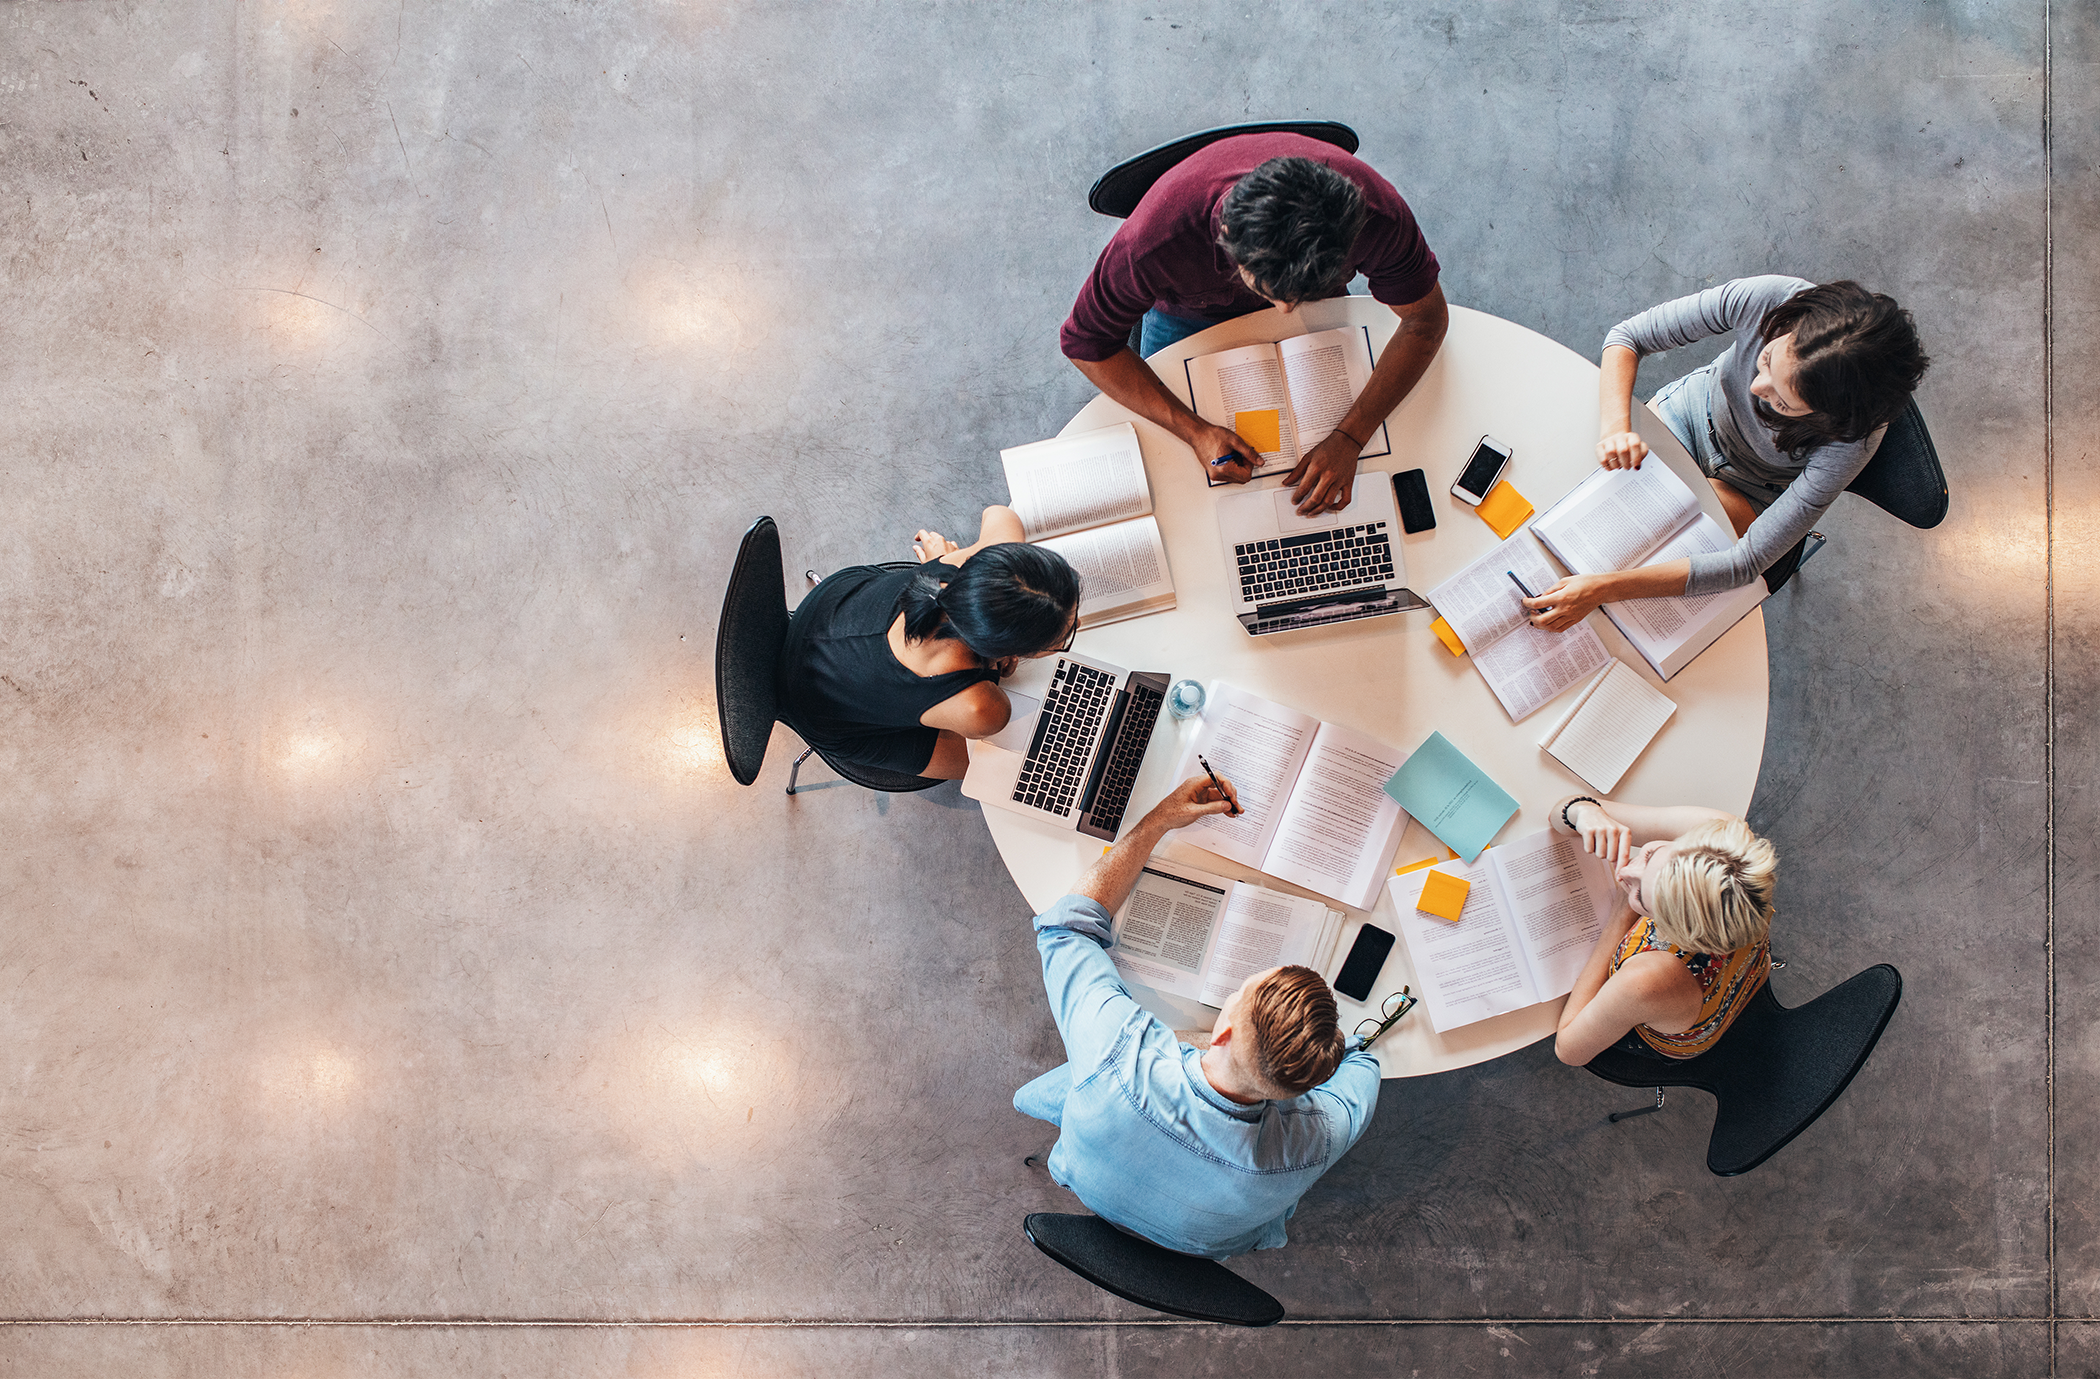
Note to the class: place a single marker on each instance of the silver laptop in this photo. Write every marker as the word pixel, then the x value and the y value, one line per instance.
pixel 1290 572
pixel 1074 758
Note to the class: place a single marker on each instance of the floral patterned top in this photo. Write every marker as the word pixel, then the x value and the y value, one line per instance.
pixel 1727 981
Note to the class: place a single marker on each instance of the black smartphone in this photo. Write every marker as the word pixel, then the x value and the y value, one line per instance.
pixel 1483 470
pixel 1366 960
pixel 1411 492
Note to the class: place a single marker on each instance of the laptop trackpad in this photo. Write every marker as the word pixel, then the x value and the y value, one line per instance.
pixel 1289 523
pixel 1019 731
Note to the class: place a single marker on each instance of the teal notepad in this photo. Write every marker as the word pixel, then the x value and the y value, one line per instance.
pixel 1451 797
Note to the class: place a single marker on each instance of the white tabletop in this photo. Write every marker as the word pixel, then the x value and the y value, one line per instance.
pixel 1389 676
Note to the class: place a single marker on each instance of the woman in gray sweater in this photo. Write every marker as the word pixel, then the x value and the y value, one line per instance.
pixel 1779 424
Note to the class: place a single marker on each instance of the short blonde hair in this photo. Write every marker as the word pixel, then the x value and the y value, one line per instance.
pixel 1714 893
pixel 1298 1039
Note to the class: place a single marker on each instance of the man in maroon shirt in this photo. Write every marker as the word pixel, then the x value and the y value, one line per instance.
pixel 1252 221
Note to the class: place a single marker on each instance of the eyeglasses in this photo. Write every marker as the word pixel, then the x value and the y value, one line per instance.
pixel 1395 1006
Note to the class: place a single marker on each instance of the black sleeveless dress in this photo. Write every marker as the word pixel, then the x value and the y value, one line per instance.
pixel 843 689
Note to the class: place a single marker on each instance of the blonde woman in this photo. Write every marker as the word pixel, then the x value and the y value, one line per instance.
pixel 1688 947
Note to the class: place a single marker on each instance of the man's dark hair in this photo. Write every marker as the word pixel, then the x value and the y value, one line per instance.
pixel 1006 600
pixel 1291 223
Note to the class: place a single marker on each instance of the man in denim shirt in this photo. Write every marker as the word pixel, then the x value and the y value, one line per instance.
pixel 1202 1151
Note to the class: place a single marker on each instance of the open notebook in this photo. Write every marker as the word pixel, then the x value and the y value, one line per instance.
pixel 1608 727
pixel 1621 519
pixel 1313 794
pixel 1189 933
pixel 1086 497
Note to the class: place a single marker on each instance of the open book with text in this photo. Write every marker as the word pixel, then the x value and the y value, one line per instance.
pixel 1284 399
pixel 1621 519
pixel 1189 933
pixel 1312 795
pixel 1086 497
pixel 1534 912
pixel 1608 727
pixel 1525 667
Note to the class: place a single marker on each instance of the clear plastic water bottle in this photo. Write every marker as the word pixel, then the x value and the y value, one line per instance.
pixel 1185 699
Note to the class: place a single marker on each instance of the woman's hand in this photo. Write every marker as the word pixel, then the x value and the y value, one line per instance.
pixel 1621 450
pixel 930 545
pixel 1603 835
pixel 1567 603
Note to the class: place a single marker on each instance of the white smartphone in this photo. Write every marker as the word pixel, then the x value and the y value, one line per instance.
pixel 1490 458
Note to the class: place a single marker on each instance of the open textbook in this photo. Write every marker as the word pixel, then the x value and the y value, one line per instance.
pixel 1525 667
pixel 1532 916
pixel 1610 724
pixel 1312 795
pixel 1188 933
pixel 1284 399
pixel 1086 497
pixel 1620 519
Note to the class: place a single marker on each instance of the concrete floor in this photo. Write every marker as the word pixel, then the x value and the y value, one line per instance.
pixel 391 959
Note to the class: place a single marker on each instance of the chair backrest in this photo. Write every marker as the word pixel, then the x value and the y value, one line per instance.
pixel 1119 190
pixel 747 649
pixel 1776 1069
pixel 1139 1271
pixel 1904 477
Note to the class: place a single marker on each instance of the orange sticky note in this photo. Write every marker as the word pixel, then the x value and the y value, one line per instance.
pixel 1449 637
pixel 1417 866
pixel 1444 895
pixel 1505 509
pixel 1263 429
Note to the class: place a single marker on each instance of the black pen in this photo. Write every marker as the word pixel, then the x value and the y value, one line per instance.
pixel 1521 586
pixel 1222 791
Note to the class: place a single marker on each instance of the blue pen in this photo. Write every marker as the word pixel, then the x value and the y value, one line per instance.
pixel 1525 589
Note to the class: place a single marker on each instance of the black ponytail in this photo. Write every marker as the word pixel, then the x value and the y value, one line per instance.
pixel 1006 600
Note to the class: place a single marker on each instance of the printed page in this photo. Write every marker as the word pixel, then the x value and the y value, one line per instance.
pixel 1481 604
pixel 1164 928
pixel 1611 520
pixel 1557 897
pixel 1340 829
pixel 1613 724
pixel 1257 928
pixel 1122 570
pixel 1259 746
pixel 1075 482
pixel 1324 372
pixel 1670 632
pixel 1530 668
pixel 1471 970
pixel 1248 379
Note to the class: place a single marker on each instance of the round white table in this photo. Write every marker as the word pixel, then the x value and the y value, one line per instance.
pixel 1390 676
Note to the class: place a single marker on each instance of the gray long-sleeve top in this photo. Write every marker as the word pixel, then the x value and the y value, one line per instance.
pixel 1799 491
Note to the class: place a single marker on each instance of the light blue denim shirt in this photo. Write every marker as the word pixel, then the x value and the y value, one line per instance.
pixel 1145 1141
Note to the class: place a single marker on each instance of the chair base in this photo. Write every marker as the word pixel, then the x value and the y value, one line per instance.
pixel 1617 1116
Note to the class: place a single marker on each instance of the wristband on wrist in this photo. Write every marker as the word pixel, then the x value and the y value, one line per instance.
pixel 1579 799
pixel 1351 439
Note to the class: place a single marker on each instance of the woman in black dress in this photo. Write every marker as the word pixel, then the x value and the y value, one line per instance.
pixel 894 669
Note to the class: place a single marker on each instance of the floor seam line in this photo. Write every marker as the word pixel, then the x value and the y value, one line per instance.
pixel 956 1324
pixel 2049 669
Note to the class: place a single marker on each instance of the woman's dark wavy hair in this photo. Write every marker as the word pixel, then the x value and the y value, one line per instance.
pixel 1006 600
pixel 1291 223
pixel 1858 360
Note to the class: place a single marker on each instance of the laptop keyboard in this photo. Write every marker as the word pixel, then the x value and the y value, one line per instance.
pixel 1291 567
pixel 1078 699
pixel 1119 777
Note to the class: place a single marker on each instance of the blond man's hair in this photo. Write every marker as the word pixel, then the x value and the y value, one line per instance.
pixel 1714 892
pixel 1298 1039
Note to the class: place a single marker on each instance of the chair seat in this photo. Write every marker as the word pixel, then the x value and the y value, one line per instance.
pixel 1119 190
pixel 1139 1271
pixel 1776 1069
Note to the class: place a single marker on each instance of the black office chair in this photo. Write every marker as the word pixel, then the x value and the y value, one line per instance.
pixel 1904 479
pixel 1774 1071
pixel 1119 190
pixel 1141 1272
pixel 748 639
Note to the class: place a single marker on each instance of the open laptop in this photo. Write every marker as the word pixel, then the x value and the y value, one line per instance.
pixel 1074 759
pixel 1290 572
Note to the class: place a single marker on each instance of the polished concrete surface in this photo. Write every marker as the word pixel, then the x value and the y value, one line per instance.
pixel 391 952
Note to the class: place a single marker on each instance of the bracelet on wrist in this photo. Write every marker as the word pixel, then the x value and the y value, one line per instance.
pixel 1579 799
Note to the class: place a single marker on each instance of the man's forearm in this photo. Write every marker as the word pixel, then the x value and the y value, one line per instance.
pixel 1125 378
pixel 1109 879
pixel 1406 358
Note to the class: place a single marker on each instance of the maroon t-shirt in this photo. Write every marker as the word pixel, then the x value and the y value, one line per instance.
pixel 1167 255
